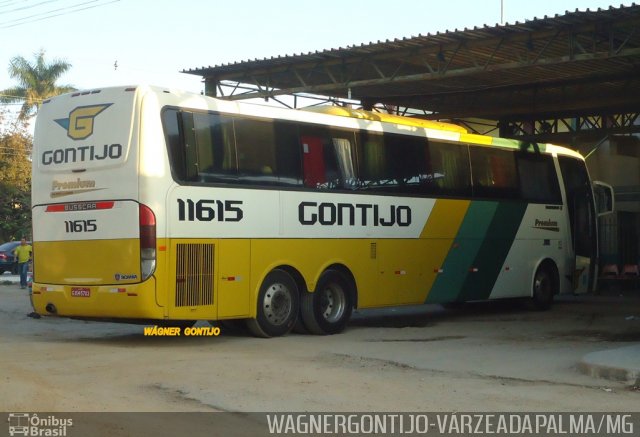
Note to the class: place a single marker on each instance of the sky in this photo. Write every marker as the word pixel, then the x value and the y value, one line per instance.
pixel 126 42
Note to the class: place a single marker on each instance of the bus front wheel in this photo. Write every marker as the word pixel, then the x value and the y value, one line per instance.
pixel 277 307
pixel 545 286
pixel 328 309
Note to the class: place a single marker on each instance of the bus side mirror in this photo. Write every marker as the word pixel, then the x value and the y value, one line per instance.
pixel 604 198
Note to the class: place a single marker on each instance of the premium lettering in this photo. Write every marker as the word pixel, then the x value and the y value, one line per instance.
pixel 78 183
pixel 547 225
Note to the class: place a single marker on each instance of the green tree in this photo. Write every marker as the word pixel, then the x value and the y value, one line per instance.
pixel 15 179
pixel 36 82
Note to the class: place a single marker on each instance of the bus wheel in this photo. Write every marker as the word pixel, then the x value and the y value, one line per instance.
pixel 328 309
pixel 544 287
pixel 278 304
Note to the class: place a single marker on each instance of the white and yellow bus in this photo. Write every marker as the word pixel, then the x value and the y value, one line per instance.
pixel 151 204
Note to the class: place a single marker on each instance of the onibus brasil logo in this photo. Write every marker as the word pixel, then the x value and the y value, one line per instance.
pixel 28 424
pixel 79 124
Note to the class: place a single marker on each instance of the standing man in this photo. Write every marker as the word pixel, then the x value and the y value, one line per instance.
pixel 23 256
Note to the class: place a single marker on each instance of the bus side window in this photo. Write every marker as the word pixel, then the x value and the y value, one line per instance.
pixel 538 179
pixel 344 154
pixel 267 152
pixel 288 154
pixel 255 145
pixel 372 170
pixel 172 123
pixel 494 173
pixel 407 163
pixel 327 160
pixel 190 148
pixel 313 161
pixel 214 158
pixel 449 169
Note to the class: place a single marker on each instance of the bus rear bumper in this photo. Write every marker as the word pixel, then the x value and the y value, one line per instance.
pixel 126 301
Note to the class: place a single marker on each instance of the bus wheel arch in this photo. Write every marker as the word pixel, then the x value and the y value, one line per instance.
pixel 545 285
pixel 277 304
pixel 328 308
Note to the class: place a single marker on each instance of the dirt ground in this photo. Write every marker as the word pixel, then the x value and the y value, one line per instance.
pixel 481 357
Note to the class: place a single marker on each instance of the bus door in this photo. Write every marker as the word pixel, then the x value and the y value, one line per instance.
pixel 582 221
pixel 584 234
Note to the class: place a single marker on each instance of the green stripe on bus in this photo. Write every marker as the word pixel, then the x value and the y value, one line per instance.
pixel 464 250
pixel 490 258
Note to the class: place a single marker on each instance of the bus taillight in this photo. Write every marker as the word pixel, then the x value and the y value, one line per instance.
pixel 147 241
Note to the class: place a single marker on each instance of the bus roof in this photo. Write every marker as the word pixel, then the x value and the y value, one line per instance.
pixel 450 130
pixel 476 139
pixel 389 118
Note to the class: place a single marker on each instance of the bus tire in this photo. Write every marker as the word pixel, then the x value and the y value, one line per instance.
pixel 327 310
pixel 277 306
pixel 545 286
pixel 299 327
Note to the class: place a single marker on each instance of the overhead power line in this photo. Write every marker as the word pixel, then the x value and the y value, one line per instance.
pixel 67 10
pixel 28 7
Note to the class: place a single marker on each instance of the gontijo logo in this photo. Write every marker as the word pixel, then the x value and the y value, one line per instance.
pixel 79 125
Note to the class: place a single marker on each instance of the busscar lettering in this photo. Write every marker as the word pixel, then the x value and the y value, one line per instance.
pixel 80 206
pixel 206 210
pixel 82 154
pixel 347 214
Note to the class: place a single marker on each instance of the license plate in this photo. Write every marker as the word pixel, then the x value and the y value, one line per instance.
pixel 80 292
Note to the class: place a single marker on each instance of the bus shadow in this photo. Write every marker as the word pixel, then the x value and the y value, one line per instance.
pixel 134 335
pixel 423 316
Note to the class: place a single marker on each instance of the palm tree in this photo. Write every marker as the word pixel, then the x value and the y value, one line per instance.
pixel 37 82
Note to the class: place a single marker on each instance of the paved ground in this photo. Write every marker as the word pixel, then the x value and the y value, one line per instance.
pixel 482 357
pixel 493 357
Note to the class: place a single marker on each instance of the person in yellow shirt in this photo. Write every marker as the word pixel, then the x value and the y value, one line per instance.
pixel 23 256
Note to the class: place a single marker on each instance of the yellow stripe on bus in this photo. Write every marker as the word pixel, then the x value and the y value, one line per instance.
pixel 445 218
pixel 476 139
pixel 435 244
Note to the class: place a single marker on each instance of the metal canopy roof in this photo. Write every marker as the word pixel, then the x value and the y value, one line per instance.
pixel 580 63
